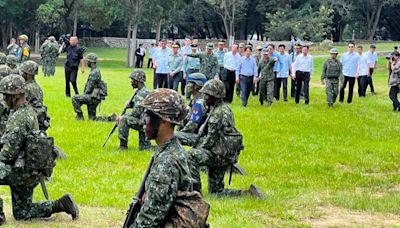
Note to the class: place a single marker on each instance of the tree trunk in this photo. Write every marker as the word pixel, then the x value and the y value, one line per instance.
pixel 37 40
pixel 4 28
pixel 375 21
pixel 133 46
pixel 75 21
pixel 158 31
pixel 128 42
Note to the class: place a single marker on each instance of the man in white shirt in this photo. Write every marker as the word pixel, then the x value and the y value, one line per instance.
pixel 231 63
pixel 304 66
pixel 350 65
pixel 373 61
pixel 363 71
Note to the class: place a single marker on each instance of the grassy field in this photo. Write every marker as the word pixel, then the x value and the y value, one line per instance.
pixel 317 166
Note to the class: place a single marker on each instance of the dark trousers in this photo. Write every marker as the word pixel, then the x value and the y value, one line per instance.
pixel 362 85
pixel 277 88
pixel 256 87
pixel 351 81
pixel 229 85
pixel 162 80
pixel 150 63
pixel 173 82
pixel 139 61
pixel 369 81
pixel 71 75
pixel 246 86
pixel 155 81
pixel 293 88
pixel 183 84
pixel 302 77
pixel 394 90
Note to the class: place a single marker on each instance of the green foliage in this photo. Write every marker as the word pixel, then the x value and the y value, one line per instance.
pixel 51 12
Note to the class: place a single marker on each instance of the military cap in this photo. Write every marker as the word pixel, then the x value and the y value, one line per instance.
pixel 241 45
pixel 298 44
pixel 249 45
pixel 23 37
pixel 12 59
pixel 138 75
pixel 265 51
pixel 210 46
pixel 215 88
pixel 197 78
pixel 91 57
pixel 13 84
pixel 259 47
pixel 176 45
pixel 334 51
pixel 29 67
pixel 3 58
pixel 166 104
pixel 221 41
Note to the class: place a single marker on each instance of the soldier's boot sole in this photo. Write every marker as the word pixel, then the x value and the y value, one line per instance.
pixel 239 170
pixel 254 191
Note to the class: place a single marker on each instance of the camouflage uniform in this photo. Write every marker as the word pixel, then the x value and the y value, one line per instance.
pixel 267 77
pixel 132 120
pixel 12 62
pixel 332 76
pixel 25 51
pixel 208 63
pixel 49 54
pixel 170 171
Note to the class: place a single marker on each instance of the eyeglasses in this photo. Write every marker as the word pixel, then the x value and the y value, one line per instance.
pixel 351 46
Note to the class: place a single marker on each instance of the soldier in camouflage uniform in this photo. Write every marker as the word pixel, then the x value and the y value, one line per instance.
pixel 12 62
pixel 164 108
pixel 4 69
pixel 206 154
pixel 22 123
pixel 49 54
pixel 197 110
pixel 331 76
pixel 132 120
pixel 25 51
pixel 266 77
pixel 93 82
pixel 208 62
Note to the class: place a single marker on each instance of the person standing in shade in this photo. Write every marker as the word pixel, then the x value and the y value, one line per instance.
pixel 363 71
pixel 332 76
pixel 285 67
pixel 231 62
pixel 350 64
pixel 394 81
pixel 246 75
pixel 174 67
pixel 373 61
pixel 161 64
pixel 304 66
pixel 208 62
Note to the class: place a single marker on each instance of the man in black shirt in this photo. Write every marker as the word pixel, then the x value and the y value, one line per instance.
pixel 74 58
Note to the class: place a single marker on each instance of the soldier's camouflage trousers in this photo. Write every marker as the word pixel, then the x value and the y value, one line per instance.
pixel 92 103
pixel 130 122
pixel 216 172
pixel 186 138
pixel 49 67
pixel 267 90
pixel 332 90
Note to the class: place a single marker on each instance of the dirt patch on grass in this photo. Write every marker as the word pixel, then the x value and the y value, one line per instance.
pixel 339 217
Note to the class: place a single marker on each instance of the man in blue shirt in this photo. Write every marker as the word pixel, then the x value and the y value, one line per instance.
pixel 152 50
pixel 274 55
pixel 349 61
pixel 246 75
pixel 373 61
pixel 363 72
pixel 160 62
pixel 285 66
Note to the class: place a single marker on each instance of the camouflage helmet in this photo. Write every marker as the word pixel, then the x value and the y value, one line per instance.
pixel 13 84
pixel 167 104
pixel 3 58
pixel 12 59
pixel 29 67
pixel 215 88
pixel 23 37
pixel 91 58
pixel 334 51
pixel 52 38
pixel 197 78
pixel 138 75
pixel 4 71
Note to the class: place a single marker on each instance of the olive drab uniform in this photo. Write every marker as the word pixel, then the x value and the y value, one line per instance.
pixel 332 76
pixel 267 78
pixel 132 120
pixel 208 63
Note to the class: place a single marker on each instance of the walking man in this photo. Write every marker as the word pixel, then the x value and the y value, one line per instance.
pixel 350 63
pixel 304 66
pixel 394 81
pixel 363 71
pixel 208 62
pixel 246 75
pixel 332 76
pixel 231 63
pixel 285 66
pixel 373 61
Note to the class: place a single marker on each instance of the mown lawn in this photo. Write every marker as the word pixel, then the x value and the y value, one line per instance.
pixel 310 161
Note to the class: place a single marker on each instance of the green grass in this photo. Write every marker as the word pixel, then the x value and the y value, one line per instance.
pixel 302 157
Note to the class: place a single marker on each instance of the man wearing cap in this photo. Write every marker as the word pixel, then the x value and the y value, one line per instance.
pixel 332 76
pixel 190 65
pixel 266 77
pixel 231 63
pixel 174 67
pixel 25 51
pixel 372 61
pixel 208 62
pixel 394 80
pixel 160 62
pixel 246 75
pixel 350 63
pixel 363 70
pixel 304 66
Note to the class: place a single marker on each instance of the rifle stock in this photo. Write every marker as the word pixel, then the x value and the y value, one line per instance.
pixel 136 203
pixel 116 124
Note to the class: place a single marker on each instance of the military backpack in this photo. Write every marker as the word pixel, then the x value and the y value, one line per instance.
pixel 230 145
pixel 101 92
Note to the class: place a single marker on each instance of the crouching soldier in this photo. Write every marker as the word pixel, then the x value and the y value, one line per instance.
pixel 17 169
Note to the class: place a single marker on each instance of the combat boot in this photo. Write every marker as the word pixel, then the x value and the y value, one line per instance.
pixel 254 191
pixel 79 116
pixel 66 204
pixel 123 144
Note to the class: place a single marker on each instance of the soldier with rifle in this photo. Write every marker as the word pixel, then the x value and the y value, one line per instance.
pixel 168 177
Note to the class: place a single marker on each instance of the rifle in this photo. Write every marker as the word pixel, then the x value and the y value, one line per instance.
pixel 43 185
pixel 136 203
pixel 116 124
pixel 202 127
